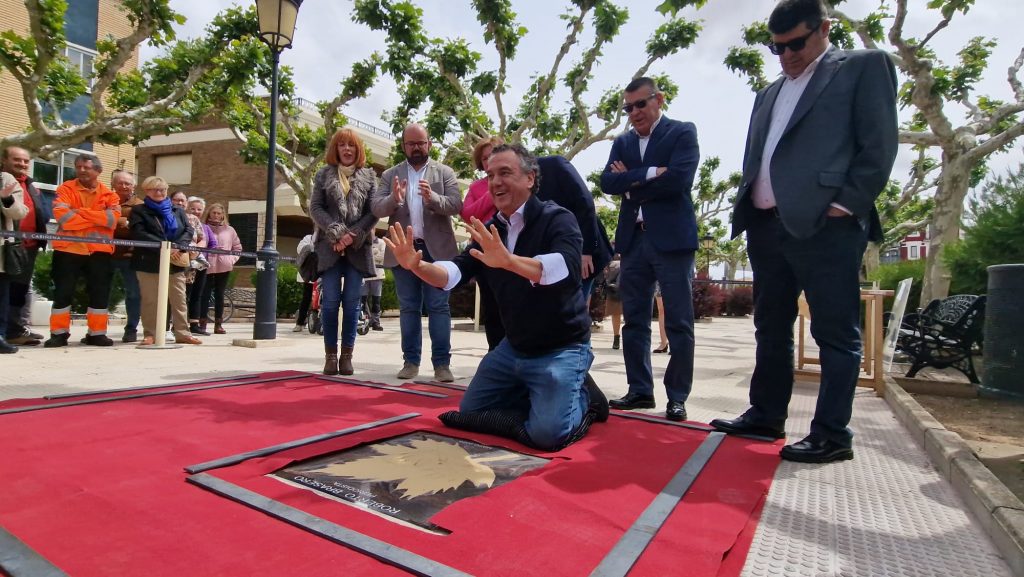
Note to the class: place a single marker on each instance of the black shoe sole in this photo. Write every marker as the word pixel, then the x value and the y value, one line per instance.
pixel 801 457
pixel 751 430
pixel 631 406
pixel 675 417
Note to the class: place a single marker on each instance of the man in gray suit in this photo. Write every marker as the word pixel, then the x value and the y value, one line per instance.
pixel 820 147
pixel 421 193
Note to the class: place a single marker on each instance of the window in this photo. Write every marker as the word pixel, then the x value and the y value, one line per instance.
pixel 915 252
pixel 176 169
pixel 48 174
pixel 81 60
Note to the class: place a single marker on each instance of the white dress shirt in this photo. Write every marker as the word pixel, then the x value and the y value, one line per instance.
pixel 553 267
pixel 652 171
pixel 414 200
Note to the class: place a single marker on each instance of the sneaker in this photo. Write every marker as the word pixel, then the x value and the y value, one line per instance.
pixel 298 329
pixel 98 341
pixel 443 374
pixel 130 336
pixel 54 341
pixel 25 339
pixel 409 371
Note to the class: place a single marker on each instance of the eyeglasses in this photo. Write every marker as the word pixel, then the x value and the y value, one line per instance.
pixel 641 104
pixel 156 190
pixel 419 144
pixel 796 45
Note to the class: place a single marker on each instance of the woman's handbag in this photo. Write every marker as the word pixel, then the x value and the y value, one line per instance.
pixel 180 259
pixel 16 259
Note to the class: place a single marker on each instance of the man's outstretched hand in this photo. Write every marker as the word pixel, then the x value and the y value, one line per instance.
pixel 400 243
pixel 494 253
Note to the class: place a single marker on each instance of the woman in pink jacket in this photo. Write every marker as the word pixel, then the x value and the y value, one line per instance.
pixel 220 264
pixel 478 201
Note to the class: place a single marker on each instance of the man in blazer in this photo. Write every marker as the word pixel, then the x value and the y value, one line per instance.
pixel 820 147
pixel 562 184
pixel 652 167
pixel 423 194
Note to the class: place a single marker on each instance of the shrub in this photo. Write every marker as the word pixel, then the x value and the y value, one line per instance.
pixel 289 291
pixel 889 275
pixel 42 282
pixel 388 296
pixel 739 301
pixel 707 299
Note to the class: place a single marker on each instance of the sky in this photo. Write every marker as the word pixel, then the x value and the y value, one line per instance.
pixel 718 101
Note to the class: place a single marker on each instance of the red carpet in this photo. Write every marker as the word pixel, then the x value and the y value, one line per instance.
pixel 99 489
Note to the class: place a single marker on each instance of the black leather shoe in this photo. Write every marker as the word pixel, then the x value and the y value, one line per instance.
pixel 633 401
pixel 98 341
pixel 741 426
pixel 815 450
pixel 6 349
pixel 54 341
pixel 598 402
pixel 676 411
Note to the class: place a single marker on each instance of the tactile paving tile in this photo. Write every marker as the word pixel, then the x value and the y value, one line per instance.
pixel 796 535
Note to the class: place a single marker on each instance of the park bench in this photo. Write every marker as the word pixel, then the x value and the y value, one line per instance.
pixel 944 334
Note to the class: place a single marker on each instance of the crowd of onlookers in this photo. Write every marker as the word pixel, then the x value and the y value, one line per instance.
pixel 94 214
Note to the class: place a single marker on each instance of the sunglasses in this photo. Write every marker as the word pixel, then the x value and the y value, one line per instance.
pixel 796 45
pixel 641 104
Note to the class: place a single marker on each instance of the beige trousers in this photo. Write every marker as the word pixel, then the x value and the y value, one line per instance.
pixel 148 286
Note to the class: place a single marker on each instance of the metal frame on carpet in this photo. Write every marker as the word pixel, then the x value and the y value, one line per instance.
pixel 380 550
pixel 358 383
pixel 235 459
pixel 19 560
pixel 144 387
pixel 142 395
pixel 631 546
pixel 701 428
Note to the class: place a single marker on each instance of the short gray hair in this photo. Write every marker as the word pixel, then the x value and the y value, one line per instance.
pixel 198 199
pixel 87 157
pixel 527 162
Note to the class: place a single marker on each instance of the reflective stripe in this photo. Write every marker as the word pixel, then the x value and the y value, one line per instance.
pixel 63 219
pixel 91 311
pixel 110 218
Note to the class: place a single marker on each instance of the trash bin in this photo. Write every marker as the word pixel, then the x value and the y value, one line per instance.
pixel 1004 339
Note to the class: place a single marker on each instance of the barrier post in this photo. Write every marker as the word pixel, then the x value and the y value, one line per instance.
pixel 163 278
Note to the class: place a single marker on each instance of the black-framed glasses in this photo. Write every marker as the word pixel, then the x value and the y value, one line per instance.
pixel 641 104
pixel 796 44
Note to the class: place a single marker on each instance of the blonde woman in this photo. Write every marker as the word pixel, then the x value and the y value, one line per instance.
pixel 157 219
pixel 224 237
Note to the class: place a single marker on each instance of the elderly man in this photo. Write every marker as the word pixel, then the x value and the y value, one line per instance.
pixel 123 183
pixel 433 200
pixel 12 209
pixel 533 387
pixel 86 209
pixel 16 161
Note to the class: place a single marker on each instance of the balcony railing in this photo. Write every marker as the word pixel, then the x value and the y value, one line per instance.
pixel 310 105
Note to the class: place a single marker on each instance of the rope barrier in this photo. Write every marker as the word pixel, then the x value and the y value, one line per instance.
pixel 137 243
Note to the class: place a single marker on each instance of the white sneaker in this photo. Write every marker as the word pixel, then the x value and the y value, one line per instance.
pixel 297 329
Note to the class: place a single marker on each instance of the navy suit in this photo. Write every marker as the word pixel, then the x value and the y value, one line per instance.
pixel 838 147
pixel 661 250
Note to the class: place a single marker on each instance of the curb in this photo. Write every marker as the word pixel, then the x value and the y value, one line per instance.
pixel 998 510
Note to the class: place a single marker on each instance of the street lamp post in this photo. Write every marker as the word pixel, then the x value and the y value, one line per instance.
pixel 277 26
pixel 707 242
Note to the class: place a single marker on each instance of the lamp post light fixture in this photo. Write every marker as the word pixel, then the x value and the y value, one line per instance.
pixel 277 27
pixel 707 242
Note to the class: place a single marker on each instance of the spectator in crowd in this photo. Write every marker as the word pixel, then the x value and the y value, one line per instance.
pixel 821 145
pixel 613 304
pixel 87 209
pixel 373 287
pixel 433 199
pixel 478 204
pixel 16 161
pixel 157 219
pixel 533 387
pixel 224 237
pixel 123 183
pixel 651 167
pixel 196 277
pixel 305 246
pixel 340 208
pixel 12 209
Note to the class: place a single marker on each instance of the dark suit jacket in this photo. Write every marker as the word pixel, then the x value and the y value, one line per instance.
pixel 667 205
pixel 446 202
pixel 839 145
pixel 148 224
pixel 563 185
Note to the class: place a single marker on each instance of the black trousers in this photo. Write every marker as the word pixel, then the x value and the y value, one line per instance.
pixel 215 285
pixel 68 268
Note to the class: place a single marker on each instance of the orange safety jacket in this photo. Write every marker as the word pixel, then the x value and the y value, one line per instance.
pixel 98 220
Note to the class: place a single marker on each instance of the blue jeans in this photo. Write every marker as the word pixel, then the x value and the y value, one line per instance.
pixel 132 295
pixel 413 296
pixel 333 298
pixel 548 387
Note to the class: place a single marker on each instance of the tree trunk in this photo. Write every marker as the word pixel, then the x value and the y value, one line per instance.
pixel 945 224
pixel 872 256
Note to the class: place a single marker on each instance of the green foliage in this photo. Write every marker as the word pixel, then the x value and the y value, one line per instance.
pixel 889 275
pixel 289 292
pixel 42 281
pixel 993 235
pixel 388 294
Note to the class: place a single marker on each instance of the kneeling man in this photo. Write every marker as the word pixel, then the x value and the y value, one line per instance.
pixel 533 387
